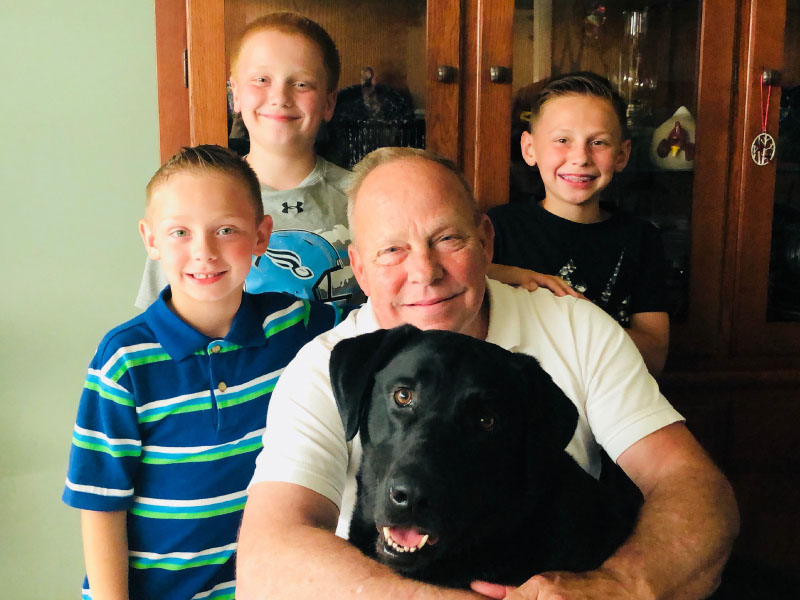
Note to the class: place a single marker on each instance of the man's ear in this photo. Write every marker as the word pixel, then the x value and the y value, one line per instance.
pixel 148 238
pixel 623 155
pixel 486 233
pixel 357 264
pixel 263 231
pixel 526 146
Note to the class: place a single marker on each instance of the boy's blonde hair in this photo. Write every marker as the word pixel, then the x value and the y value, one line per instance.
pixel 209 157
pixel 581 83
pixel 293 23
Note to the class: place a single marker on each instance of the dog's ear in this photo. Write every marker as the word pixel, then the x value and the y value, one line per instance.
pixel 352 368
pixel 552 416
pixel 551 422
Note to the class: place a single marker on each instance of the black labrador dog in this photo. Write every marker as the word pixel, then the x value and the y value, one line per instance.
pixel 464 473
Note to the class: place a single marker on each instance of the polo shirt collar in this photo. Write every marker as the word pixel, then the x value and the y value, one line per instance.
pixel 504 327
pixel 181 340
pixel 366 321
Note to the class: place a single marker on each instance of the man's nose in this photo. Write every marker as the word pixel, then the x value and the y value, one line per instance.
pixel 204 247
pixel 423 266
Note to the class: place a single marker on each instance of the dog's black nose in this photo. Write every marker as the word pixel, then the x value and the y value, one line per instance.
pixel 398 492
pixel 406 496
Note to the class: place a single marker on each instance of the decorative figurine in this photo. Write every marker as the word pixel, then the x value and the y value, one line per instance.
pixel 673 142
pixel 594 21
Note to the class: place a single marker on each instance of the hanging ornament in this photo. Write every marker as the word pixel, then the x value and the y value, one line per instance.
pixel 762 150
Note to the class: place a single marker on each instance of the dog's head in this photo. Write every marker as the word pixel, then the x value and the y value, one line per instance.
pixel 456 432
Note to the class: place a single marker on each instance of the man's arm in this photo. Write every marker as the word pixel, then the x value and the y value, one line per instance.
pixel 288 549
pixel 650 332
pixel 105 550
pixel 689 519
pixel 683 536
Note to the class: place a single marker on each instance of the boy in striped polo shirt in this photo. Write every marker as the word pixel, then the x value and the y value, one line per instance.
pixel 175 401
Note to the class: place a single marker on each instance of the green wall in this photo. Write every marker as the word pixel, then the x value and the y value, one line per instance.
pixel 79 131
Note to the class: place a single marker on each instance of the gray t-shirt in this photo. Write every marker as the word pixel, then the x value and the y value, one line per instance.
pixel 307 254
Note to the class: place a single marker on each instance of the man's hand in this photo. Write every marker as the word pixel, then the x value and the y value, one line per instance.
pixel 591 585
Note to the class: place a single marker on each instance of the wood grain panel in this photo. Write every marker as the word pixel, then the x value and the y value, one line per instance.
pixel 469 91
pixel 700 335
pixel 750 431
pixel 443 117
pixel 493 104
pixel 173 95
pixel 207 96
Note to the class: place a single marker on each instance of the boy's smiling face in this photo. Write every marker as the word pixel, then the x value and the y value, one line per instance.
pixel 281 88
pixel 202 226
pixel 577 144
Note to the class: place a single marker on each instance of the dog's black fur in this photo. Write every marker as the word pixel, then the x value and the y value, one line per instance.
pixel 465 441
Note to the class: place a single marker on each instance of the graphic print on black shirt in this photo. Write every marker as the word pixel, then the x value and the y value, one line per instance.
pixel 618 263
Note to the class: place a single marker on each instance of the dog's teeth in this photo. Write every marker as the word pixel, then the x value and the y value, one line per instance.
pixel 387 536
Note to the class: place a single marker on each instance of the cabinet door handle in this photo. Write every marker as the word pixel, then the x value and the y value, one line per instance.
pixel 498 74
pixel 446 73
pixel 771 77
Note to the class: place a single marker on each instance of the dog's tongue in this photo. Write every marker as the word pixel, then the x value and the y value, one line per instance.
pixel 405 536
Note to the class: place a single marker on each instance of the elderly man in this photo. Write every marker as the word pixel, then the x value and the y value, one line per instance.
pixel 420 252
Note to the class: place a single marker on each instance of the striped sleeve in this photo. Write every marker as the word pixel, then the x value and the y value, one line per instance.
pixel 106 444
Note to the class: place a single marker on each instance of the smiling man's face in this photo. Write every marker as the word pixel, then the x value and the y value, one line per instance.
pixel 419 252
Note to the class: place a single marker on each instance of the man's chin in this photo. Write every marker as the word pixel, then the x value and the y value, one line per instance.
pixel 445 321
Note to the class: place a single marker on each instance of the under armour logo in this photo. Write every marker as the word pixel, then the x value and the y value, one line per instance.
pixel 298 207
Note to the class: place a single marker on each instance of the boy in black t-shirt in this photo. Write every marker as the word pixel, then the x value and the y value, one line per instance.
pixel 578 140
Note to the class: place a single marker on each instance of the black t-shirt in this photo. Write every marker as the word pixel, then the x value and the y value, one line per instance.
pixel 618 264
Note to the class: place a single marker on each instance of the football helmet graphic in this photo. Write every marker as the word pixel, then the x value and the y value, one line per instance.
pixel 297 262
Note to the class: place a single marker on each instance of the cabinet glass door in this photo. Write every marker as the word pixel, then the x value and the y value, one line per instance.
pixel 783 298
pixel 382 89
pixel 767 292
pixel 661 58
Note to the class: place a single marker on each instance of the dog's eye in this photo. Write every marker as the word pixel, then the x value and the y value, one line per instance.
pixel 403 396
pixel 486 423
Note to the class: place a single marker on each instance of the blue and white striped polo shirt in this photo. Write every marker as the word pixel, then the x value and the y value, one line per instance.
pixel 168 429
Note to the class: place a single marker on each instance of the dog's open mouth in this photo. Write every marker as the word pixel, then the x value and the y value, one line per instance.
pixel 402 540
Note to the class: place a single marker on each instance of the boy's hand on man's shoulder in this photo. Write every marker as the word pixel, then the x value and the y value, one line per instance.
pixel 532 280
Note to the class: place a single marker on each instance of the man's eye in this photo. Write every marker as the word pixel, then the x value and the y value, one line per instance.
pixel 392 255
pixel 403 396
pixel 450 239
pixel 225 230
pixel 179 233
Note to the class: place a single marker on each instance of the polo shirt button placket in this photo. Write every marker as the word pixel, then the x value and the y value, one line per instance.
pixel 214 349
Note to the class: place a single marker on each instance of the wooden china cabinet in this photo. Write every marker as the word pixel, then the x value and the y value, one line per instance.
pixel 731 227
